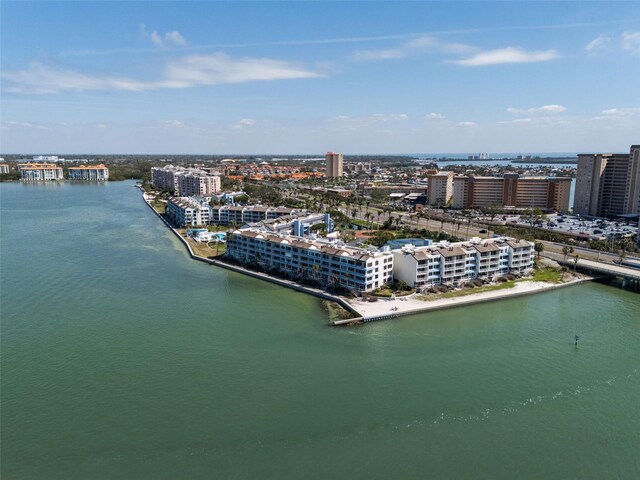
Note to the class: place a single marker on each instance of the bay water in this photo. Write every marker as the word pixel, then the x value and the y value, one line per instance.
pixel 123 358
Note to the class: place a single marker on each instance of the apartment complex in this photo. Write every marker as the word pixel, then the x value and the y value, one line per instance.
pixel 40 172
pixel 185 182
pixel 608 184
pixel 4 168
pixel 190 184
pixel 239 215
pixel 334 163
pixel 185 212
pixel 96 173
pixel 440 188
pixel 456 263
pixel 512 190
pixel 328 263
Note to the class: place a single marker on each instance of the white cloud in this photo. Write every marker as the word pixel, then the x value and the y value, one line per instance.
pixel 243 123
pixel 543 109
pixel 373 55
pixel 435 116
pixel 156 39
pixel 172 38
pixel 467 124
pixel 517 121
pixel 631 42
pixel 175 38
pixel 621 112
pixel 415 46
pixel 597 44
pixel 186 72
pixel 506 56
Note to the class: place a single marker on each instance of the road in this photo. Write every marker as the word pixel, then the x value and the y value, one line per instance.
pixel 466 231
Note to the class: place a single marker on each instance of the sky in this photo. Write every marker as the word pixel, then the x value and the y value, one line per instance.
pixel 307 77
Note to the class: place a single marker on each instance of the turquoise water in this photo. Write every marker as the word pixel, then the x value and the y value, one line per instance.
pixel 122 358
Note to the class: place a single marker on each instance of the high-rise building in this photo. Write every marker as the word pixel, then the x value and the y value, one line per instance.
pixel 512 190
pixel 440 188
pixel 334 164
pixel 607 184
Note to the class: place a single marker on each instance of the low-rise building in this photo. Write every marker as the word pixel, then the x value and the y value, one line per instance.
pixel 240 215
pixel 456 263
pixel 95 173
pixel 4 168
pixel 329 264
pixel 40 172
pixel 185 211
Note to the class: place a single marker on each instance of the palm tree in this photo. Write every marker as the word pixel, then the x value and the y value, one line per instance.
pixel 575 261
pixel 566 250
pixel 538 247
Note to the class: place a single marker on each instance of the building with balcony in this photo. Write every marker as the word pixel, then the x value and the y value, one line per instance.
pixel 457 263
pixel 608 184
pixel 440 188
pixel 512 190
pixel 188 211
pixel 94 173
pixel 241 215
pixel 330 264
pixel 334 164
pixel 40 172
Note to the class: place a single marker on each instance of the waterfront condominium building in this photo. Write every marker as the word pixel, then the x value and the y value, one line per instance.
pixel 512 190
pixel 185 182
pixel 334 164
pixel 95 173
pixel 183 211
pixel 440 188
pixel 240 215
pixel 4 168
pixel 40 172
pixel 607 184
pixel 196 184
pixel 328 263
pixel 456 263
pixel 164 178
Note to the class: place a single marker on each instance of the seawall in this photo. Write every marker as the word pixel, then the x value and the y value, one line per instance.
pixel 263 276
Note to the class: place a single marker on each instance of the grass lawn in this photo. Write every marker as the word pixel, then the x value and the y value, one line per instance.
pixel 469 291
pixel 204 250
pixel 158 206
pixel 545 275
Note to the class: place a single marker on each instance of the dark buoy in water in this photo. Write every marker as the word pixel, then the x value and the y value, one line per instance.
pixel 577 338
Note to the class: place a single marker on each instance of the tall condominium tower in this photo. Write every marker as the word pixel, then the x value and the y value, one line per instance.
pixel 334 164
pixel 607 184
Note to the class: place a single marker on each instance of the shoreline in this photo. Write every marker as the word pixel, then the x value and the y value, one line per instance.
pixel 380 310
pixel 259 275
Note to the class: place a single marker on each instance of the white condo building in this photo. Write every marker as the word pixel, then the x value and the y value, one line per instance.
pixel 188 211
pixel 328 263
pixel 40 172
pixel 185 182
pixel 239 215
pixel 95 173
pixel 456 263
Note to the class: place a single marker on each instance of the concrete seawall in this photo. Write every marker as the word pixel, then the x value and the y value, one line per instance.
pixel 263 276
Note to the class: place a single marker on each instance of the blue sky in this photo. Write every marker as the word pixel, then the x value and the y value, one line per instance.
pixel 303 77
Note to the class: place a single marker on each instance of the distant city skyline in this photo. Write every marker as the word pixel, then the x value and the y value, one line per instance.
pixel 356 78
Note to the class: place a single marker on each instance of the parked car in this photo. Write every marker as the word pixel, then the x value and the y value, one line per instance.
pixel 483 231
